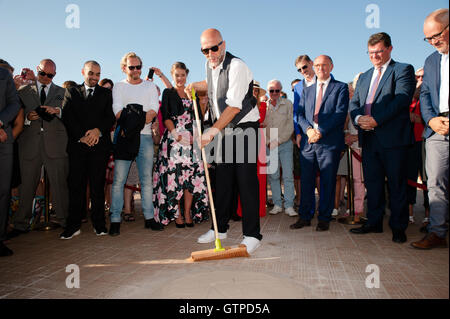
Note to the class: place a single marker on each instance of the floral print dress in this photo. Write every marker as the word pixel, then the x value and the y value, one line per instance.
pixel 179 167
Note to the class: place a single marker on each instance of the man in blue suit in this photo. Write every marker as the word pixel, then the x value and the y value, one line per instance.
pixel 434 100
pixel 380 109
pixel 321 116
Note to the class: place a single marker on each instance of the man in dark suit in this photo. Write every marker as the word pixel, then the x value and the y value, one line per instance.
pixel 434 100
pixel 380 109
pixel 321 116
pixel 88 117
pixel 9 107
pixel 42 142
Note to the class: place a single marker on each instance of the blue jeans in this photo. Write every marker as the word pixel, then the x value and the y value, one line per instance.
pixel 285 157
pixel 144 162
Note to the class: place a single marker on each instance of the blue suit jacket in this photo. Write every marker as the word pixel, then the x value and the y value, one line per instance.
pixel 390 107
pixel 298 90
pixel 332 114
pixel 429 93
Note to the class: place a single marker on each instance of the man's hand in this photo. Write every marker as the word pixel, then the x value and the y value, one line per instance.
pixel 439 124
pixel 3 136
pixel 92 137
pixel 367 122
pixel 273 144
pixel 188 90
pixel 33 116
pixel 314 135
pixel 298 138
pixel 51 109
pixel 208 136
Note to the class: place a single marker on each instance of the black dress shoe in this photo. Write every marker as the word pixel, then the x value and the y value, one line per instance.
pixel 365 229
pixel 398 236
pixel 153 224
pixel 15 232
pixel 300 224
pixel 114 229
pixel 190 225
pixel 5 251
pixel 323 226
pixel 179 225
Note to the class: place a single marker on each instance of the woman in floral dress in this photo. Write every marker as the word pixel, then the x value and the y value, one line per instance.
pixel 179 170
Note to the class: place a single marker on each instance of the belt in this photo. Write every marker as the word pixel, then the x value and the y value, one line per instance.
pixel 444 114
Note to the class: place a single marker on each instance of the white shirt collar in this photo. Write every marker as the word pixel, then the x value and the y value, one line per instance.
pixel 384 66
pixel 326 82
pixel 47 86
pixel 88 87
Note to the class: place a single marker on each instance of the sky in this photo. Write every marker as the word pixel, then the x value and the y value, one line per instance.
pixel 267 35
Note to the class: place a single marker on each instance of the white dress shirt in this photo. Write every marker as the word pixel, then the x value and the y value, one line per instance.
pixel 239 78
pixel 309 83
pixel 324 89
pixel 443 91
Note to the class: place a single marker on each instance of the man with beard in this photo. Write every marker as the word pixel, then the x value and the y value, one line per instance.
pixel 88 117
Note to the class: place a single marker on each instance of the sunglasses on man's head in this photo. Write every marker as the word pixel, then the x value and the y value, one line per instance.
pixel 274 91
pixel 133 67
pixel 213 49
pixel 49 75
pixel 303 68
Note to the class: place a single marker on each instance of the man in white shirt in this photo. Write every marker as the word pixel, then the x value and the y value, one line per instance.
pixel 134 90
pixel 434 100
pixel 230 90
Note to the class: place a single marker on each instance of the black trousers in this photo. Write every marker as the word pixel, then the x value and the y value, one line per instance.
pixel 380 163
pixel 238 169
pixel 6 164
pixel 84 165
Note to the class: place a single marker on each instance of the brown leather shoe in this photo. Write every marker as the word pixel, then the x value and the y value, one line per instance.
pixel 430 241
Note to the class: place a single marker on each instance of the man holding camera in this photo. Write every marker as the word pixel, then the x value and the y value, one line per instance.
pixel 42 142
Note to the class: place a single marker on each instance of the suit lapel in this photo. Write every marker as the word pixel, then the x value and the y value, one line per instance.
pixel 36 93
pixel 329 89
pixel 386 75
pixel 365 86
pixel 51 93
pixel 437 74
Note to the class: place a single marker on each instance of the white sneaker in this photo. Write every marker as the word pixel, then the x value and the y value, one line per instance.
pixel 411 220
pixel 291 212
pixel 252 243
pixel 210 236
pixel 275 210
pixel 335 212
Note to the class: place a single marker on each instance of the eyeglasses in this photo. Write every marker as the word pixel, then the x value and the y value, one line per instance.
pixel 213 49
pixel 435 37
pixel 132 67
pixel 375 52
pixel 303 68
pixel 49 75
pixel 274 91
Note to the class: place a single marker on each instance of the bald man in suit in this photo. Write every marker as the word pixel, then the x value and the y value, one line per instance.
pixel 42 142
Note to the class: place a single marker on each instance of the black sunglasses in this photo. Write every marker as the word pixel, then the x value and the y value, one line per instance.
pixel 49 75
pixel 274 91
pixel 302 68
pixel 132 67
pixel 213 49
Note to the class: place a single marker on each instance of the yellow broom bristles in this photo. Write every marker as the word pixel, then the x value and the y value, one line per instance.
pixel 211 254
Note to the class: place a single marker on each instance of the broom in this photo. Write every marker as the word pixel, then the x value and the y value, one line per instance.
pixel 219 252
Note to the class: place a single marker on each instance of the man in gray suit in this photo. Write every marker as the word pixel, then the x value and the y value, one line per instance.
pixel 42 142
pixel 9 107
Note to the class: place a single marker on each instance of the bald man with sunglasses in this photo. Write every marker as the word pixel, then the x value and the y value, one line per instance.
pixel 229 84
pixel 42 142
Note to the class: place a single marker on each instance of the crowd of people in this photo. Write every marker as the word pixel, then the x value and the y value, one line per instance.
pixel 96 141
